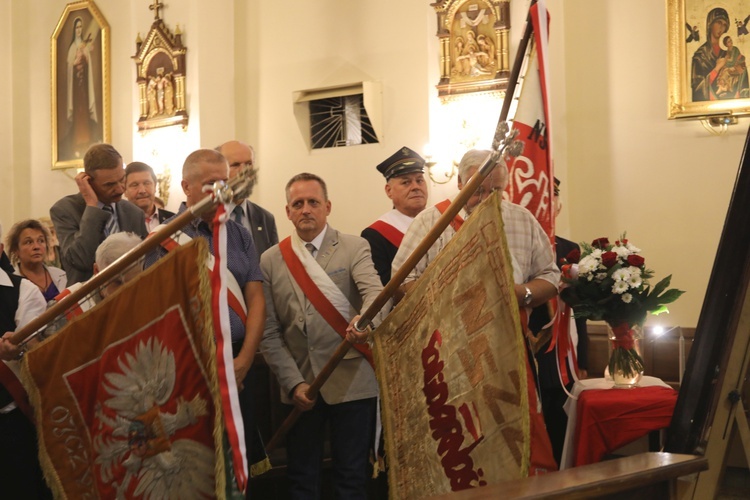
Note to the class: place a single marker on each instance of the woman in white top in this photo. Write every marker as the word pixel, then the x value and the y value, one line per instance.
pixel 27 245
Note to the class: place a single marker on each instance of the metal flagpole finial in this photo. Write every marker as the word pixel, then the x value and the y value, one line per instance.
pixel 242 183
pixel 505 141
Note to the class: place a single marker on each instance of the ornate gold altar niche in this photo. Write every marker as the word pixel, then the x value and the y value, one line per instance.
pixel 474 46
pixel 160 66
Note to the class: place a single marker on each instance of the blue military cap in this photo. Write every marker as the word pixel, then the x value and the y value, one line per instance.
pixel 402 162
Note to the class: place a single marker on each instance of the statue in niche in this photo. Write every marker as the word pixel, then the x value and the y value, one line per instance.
pixel 160 94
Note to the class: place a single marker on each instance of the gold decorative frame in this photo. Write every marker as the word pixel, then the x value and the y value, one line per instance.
pixel 474 46
pixel 160 66
pixel 79 119
pixel 693 91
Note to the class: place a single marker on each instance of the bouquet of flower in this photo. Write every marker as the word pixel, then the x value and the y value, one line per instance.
pixel 611 283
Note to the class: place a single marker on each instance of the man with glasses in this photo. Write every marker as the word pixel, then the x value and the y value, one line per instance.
pixel 85 219
pixel 534 271
pixel 259 221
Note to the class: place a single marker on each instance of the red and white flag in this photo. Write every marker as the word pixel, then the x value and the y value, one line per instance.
pixel 530 183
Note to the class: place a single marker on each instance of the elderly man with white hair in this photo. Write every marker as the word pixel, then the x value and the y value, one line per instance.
pixel 534 271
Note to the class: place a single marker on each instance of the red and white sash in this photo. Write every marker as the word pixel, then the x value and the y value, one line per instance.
pixel 319 289
pixel 457 221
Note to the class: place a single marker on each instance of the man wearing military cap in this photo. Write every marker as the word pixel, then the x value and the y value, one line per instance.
pixel 407 189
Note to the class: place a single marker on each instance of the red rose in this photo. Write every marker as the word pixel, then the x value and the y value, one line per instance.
pixel 636 260
pixel 600 243
pixel 609 259
pixel 573 256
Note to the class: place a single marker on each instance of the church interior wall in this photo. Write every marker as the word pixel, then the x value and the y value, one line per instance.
pixel 624 166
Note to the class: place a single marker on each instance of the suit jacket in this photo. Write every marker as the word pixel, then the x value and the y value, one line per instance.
pixel 80 230
pixel 297 341
pixel 383 252
pixel 261 224
pixel 164 215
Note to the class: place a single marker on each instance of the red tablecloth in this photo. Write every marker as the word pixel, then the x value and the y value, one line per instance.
pixel 611 418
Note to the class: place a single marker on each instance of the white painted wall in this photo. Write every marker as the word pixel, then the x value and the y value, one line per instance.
pixel 624 166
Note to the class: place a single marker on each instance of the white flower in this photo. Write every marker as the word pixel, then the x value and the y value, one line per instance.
pixel 596 253
pixel 635 280
pixel 587 265
pixel 622 252
pixel 634 271
pixel 627 298
pixel 633 248
pixel 621 274
pixel 619 287
pixel 601 276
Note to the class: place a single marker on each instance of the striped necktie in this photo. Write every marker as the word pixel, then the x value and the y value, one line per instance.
pixel 112 226
pixel 310 248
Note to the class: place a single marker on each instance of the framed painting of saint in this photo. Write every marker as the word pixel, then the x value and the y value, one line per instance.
pixel 708 46
pixel 80 83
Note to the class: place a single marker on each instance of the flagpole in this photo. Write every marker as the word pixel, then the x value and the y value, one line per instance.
pixel 222 192
pixel 503 145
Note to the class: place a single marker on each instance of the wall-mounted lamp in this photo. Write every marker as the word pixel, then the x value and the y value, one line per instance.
pixel 718 125
pixel 430 163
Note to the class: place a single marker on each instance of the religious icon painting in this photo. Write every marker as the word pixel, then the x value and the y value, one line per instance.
pixel 80 83
pixel 474 46
pixel 160 66
pixel 707 58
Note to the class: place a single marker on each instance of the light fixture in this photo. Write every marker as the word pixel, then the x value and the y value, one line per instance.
pixel 718 124
pixel 430 163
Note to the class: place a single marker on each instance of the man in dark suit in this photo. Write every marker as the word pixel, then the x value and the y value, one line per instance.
pixel 83 220
pixel 259 221
pixel 140 189
pixel 299 339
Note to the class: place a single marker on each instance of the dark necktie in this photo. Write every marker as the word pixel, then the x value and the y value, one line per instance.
pixel 111 226
pixel 237 213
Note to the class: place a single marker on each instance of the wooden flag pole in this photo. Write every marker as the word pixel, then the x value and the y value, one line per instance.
pixel 221 192
pixel 503 144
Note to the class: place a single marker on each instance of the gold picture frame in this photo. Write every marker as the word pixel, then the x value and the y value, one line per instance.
pixel 703 80
pixel 80 83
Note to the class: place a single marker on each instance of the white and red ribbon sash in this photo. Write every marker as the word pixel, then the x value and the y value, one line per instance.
pixel 235 296
pixel 224 359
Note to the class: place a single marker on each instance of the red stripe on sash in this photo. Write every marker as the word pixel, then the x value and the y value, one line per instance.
pixel 389 232
pixel 75 310
pixel 170 244
pixel 457 221
pixel 321 303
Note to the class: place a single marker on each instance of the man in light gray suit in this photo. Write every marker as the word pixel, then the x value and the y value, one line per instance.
pixel 83 220
pixel 298 340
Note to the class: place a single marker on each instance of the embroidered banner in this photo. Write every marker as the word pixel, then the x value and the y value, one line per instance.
pixel 452 370
pixel 126 395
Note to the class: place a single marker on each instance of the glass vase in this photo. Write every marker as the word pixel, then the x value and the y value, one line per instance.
pixel 625 361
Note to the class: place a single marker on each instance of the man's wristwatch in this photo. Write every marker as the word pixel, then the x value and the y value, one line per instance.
pixel 528 297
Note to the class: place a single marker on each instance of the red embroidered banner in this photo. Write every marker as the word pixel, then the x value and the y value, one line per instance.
pixel 126 397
